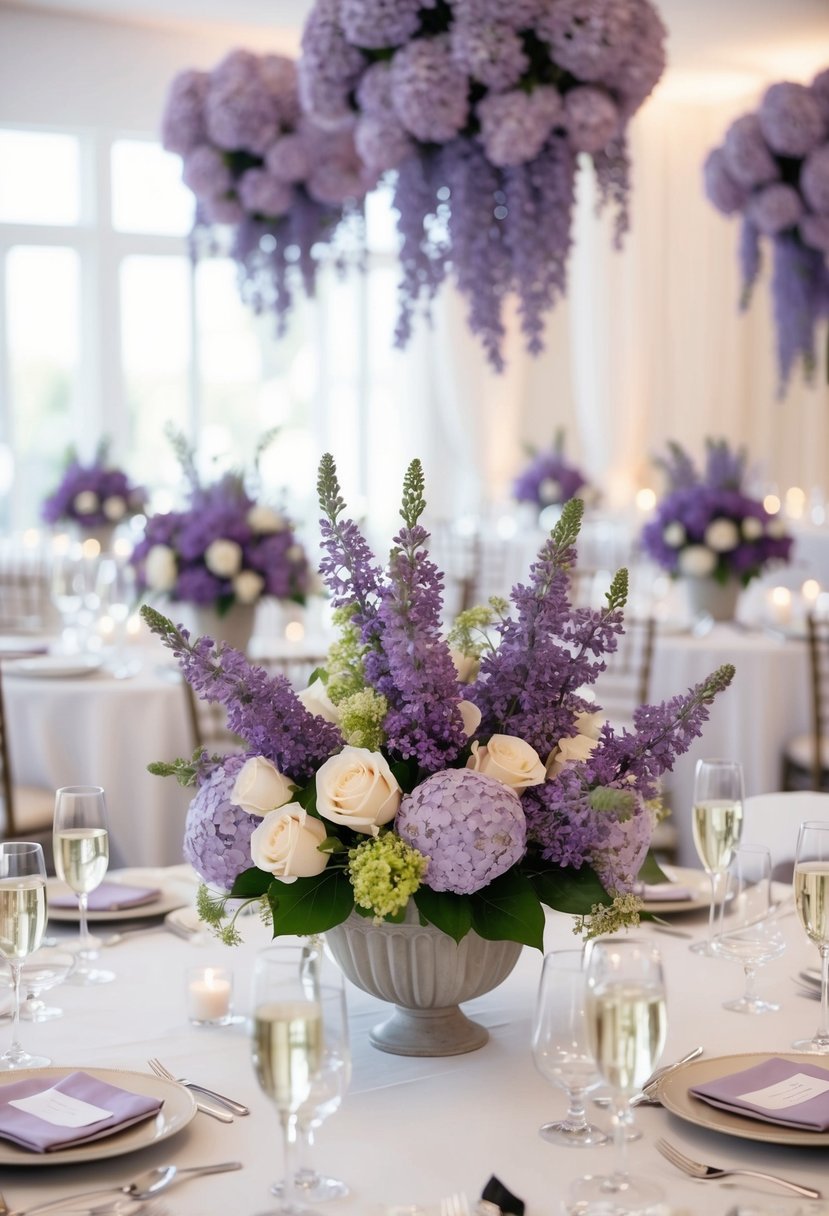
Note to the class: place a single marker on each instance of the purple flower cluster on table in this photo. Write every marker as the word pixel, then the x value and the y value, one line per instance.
pixel 258 165
pixel 707 525
pixel 772 168
pixel 94 494
pixel 482 109
pixel 548 479
pixel 217 833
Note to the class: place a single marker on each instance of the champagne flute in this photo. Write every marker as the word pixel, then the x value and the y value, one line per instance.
pixel 299 1035
pixel 717 825
pixel 561 1049
pixel 22 924
pixel 81 847
pixel 627 1024
pixel 748 934
pixel 45 969
pixel 811 897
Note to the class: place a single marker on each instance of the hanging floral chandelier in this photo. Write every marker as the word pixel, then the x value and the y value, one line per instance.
pixel 773 169
pixel 287 190
pixel 482 108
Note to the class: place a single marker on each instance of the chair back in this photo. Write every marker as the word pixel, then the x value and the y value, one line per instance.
pixel 6 785
pixel 25 591
pixel 623 686
pixel 773 820
pixel 818 635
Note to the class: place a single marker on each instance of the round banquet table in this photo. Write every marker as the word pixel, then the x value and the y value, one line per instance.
pixel 411 1131
pixel 766 705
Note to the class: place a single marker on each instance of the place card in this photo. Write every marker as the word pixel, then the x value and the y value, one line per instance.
pixel 61 1110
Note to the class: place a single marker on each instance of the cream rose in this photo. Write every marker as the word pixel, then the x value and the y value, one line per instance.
pixel 776 527
pixel 286 844
pixel 570 751
pixel 471 716
pixel 509 760
pixel 223 557
pixel 85 503
pixel 589 724
pixel 260 787
pixel 466 666
pixel 357 789
pixel 114 508
pixel 264 519
pixel 160 568
pixel 316 700
pixel 674 535
pixel 247 586
pixel 697 560
pixel 752 528
pixel 722 535
pixel 549 490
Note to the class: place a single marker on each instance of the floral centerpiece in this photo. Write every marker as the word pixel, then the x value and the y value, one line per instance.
pixel 387 781
pixel 224 549
pixel 707 525
pixel 773 169
pixel 284 186
pixel 549 479
pixel 482 109
pixel 93 495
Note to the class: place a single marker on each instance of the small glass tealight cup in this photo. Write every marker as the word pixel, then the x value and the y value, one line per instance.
pixel 209 995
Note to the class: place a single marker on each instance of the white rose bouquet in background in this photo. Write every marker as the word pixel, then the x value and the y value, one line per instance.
pixel 94 494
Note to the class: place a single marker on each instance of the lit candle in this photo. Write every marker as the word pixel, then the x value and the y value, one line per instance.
pixel 209 990
pixel 780 605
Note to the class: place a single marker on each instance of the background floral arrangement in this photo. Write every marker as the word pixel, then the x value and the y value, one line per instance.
pixel 773 169
pixel 386 780
pixel 482 108
pixel 254 162
pixel 224 548
pixel 707 524
pixel 93 495
pixel 549 478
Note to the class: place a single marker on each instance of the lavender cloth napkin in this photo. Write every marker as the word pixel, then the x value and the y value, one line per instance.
pixel 32 1132
pixel 109 897
pixel 770 1091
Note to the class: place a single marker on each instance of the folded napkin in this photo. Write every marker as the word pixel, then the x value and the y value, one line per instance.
pixel 661 892
pixel 108 897
pixel 73 1110
pixel 502 1200
pixel 776 1091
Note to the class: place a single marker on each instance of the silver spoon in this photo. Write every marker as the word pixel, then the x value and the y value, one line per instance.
pixel 150 1183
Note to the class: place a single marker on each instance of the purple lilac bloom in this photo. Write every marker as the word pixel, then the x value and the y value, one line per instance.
pixel 814 229
pixel 329 66
pixel 750 258
pixel 216 832
pixel 107 492
pixel 264 194
pixel 592 118
pixel 470 826
pixel 515 126
pixel 379 23
pixel 723 190
pixel 205 172
pixel 791 119
pixel 799 278
pixel 814 179
pixel 490 51
pixel 429 91
pixel 589 38
pixel 820 91
pixel 547 479
pixel 775 208
pixel 382 141
pixel 182 126
pixel 746 154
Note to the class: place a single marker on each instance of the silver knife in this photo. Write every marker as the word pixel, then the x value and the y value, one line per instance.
pixel 213 1108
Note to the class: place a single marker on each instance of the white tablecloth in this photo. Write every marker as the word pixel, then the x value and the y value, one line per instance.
pixel 411 1131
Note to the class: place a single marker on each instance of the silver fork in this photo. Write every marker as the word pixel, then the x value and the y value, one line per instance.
pixel 696 1169
pixel 454 1205
pixel 237 1107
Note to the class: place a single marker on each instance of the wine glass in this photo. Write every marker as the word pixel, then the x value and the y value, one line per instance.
pixel 717 824
pixel 44 969
pixel 81 847
pixel 22 923
pixel 627 1024
pixel 116 590
pixel 811 897
pixel 300 1036
pixel 67 593
pixel 748 935
pixel 561 1048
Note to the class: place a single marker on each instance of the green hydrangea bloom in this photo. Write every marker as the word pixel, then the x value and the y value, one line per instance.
pixel 623 913
pixel 344 664
pixel 384 872
pixel 362 715
pixel 469 634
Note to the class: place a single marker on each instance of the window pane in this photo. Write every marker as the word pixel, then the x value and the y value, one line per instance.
pixel 40 179
pixel 147 191
pixel 43 329
pixel 156 350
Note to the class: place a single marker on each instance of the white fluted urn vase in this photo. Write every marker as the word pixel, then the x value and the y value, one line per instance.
pixel 708 597
pixel 426 975
pixel 234 626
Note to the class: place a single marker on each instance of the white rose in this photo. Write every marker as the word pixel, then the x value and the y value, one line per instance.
pixel 264 519
pixel 509 760
pixel 590 724
pixel 466 667
pixel 85 503
pixel 247 586
pixel 295 553
pixel 356 788
pixel 722 535
pixel 776 527
pixel 570 751
pixel 471 716
pixel 160 568
pixel 752 527
pixel 286 844
pixel 316 700
pixel 260 787
pixel 697 560
pixel 549 490
pixel 674 535
pixel 223 558
pixel 114 508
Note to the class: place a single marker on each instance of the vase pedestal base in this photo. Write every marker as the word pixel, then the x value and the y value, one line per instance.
pixel 428 1032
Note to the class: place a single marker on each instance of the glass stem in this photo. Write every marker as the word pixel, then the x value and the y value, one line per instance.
pixel 823 1028
pixel 620 1139
pixel 305 1174
pixel 576 1118
pixel 289 1141
pixel 15 1050
pixel 750 993
pixel 712 908
pixel 83 900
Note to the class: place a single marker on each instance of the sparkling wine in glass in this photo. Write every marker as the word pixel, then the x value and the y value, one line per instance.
pixel 811 897
pixel 627 1025
pixel 749 934
pixel 561 1047
pixel 299 1033
pixel 717 825
pixel 81 848
pixel 22 925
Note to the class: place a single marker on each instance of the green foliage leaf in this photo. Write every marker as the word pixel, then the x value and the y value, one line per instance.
pixel 311 905
pixel 306 796
pixel 452 914
pixel 651 871
pixel 509 910
pixel 405 773
pixel 332 844
pixel 250 883
pixel 573 891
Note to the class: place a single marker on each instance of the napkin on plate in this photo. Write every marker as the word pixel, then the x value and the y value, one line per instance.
pixel 108 897
pixel 662 892
pixel 116 1109
pixel 776 1091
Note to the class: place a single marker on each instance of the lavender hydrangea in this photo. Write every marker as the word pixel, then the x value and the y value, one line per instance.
pixel 548 478
pixel 93 494
pixel 216 832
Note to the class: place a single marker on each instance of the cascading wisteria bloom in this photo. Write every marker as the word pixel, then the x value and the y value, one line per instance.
pixel 706 524
pixel 287 189
pixel 482 109
pixel 93 494
pixel 387 780
pixel 772 169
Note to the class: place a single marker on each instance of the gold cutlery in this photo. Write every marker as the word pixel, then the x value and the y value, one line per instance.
pixel 160 1071
pixel 697 1169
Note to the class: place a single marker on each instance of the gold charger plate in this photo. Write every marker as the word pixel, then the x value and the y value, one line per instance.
pixel 674 1096
pixel 178 1109
pixel 698 882
pixel 166 901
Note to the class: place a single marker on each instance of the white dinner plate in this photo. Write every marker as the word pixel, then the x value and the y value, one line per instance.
pixel 12 645
pixel 56 666
pixel 674 1096
pixel 178 1109
pixel 696 880
pixel 165 902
